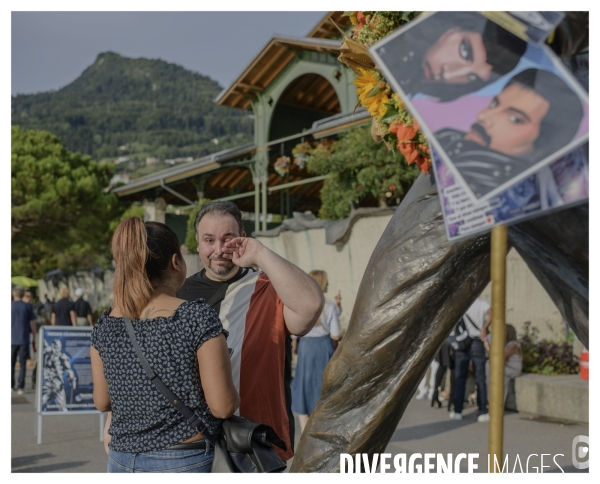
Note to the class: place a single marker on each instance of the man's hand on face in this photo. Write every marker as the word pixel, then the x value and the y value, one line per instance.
pixel 243 251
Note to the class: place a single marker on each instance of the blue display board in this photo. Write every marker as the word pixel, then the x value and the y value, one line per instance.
pixel 64 371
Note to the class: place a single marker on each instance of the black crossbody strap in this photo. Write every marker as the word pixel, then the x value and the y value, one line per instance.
pixel 217 296
pixel 471 321
pixel 183 409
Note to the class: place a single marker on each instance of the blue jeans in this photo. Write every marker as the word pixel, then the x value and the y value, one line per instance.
pixel 194 460
pixel 475 353
pixel 23 352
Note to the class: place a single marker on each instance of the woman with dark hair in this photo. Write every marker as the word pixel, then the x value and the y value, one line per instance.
pixel 314 352
pixel 184 343
pixel 450 54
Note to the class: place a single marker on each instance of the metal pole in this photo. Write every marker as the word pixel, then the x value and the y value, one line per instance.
pixel 496 404
pixel 264 204
pixel 39 429
pixel 256 182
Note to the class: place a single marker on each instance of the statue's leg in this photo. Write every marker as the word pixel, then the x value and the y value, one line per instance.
pixel 556 249
pixel 416 287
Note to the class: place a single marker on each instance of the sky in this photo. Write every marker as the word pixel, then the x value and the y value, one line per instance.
pixel 51 49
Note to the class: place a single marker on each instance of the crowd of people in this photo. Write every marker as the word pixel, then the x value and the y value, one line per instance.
pixel 223 340
pixel 467 351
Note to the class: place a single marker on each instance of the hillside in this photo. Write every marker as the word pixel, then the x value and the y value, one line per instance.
pixel 127 110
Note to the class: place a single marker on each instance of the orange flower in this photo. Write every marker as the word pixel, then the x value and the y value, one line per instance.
pixel 424 164
pixel 409 151
pixel 402 131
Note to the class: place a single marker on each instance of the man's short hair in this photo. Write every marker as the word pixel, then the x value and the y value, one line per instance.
pixel 224 208
pixel 561 123
pixel 18 291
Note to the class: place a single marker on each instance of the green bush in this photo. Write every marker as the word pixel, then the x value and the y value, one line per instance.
pixel 546 357
pixel 190 237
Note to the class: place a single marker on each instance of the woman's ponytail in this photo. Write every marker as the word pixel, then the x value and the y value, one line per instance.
pixel 132 288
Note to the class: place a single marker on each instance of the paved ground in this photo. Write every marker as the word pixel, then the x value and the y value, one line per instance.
pixel 72 443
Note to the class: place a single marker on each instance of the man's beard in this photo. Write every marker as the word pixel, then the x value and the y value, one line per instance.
pixel 220 270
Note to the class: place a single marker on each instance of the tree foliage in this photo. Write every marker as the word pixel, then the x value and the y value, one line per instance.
pixel 358 167
pixel 60 214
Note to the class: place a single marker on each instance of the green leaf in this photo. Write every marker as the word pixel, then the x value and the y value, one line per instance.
pixel 374 92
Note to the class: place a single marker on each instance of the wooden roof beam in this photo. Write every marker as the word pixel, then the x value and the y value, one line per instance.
pixel 313 84
pixel 285 59
pixel 226 178
pixel 326 100
pixel 250 87
pixel 267 66
pixel 241 175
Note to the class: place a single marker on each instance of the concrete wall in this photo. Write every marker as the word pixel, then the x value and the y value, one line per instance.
pixel 97 291
pixel 344 266
pixel 526 298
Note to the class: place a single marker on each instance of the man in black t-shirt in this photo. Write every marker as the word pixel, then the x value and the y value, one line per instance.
pixel 261 300
pixel 63 312
pixel 83 310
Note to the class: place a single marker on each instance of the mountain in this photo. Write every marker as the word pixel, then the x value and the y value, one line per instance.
pixel 136 112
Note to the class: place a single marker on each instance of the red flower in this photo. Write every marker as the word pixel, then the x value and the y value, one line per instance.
pixel 392 188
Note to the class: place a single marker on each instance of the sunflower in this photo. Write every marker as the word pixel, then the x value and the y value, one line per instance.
pixel 372 93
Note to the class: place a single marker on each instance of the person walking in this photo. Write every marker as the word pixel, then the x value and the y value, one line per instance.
pixel 63 312
pixel 314 352
pixel 22 324
pixel 183 342
pixel 475 319
pixel 83 310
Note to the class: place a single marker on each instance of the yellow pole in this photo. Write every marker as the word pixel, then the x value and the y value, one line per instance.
pixel 496 403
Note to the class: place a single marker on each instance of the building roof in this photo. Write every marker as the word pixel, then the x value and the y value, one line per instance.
pixel 325 29
pixel 267 65
pixel 170 175
pixel 229 176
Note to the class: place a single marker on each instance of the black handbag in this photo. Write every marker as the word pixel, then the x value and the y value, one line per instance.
pixel 460 339
pixel 243 446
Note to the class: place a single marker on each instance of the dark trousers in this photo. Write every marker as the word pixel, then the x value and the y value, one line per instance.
pixel 439 376
pixel 476 354
pixel 23 352
pixel 445 358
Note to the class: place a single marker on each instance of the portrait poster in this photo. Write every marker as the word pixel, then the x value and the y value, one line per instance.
pixel 562 184
pixel 494 107
pixel 64 370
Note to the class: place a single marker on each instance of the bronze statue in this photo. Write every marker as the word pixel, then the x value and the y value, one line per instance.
pixel 415 288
